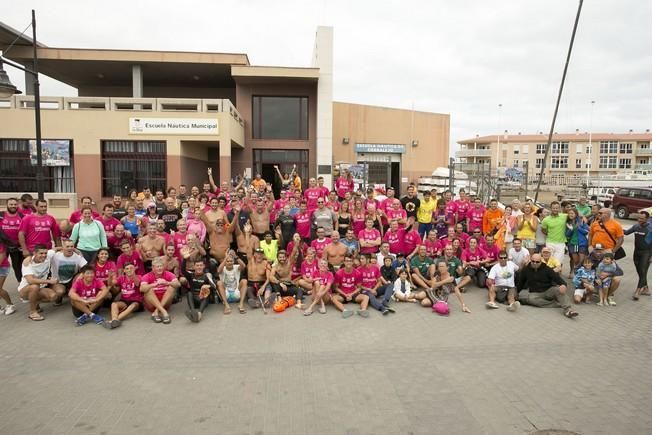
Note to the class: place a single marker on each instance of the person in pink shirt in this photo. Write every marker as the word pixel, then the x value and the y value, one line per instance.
pixel 344 184
pixel 87 296
pixel 194 225
pixel 460 234
pixel 130 299
pixel 179 238
pixel 433 248
pixel 473 259
pixel 158 288
pixel 129 255
pixel 324 191
pixel 474 216
pixel 309 268
pixel 10 225
pixel 369 238
pixel 358 216
pixel 320 243
pixel 4 272
pixel 372 285
pixel 39 228
pixel 26 204
pixel 108 221
pixel 76 216
pixel 332 202
pixel 396 212
pixel 312 194
pixel 394 237
pixel 321 291
pixel 106 270
pixel 462 206
pixel 303 222
pixel 411 239
pixel 370 200
pixel 119 235
pixel 492 252
pixel 347 288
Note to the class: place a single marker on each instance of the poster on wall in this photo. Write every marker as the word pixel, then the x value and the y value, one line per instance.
pixel 356 170
pixel 54 152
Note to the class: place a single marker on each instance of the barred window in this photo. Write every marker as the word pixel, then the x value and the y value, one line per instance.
pixel 132 165
pixel 17 174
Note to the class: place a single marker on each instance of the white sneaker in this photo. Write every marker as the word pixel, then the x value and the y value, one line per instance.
pixel 492 305
pixel 9 310
pixel 513 307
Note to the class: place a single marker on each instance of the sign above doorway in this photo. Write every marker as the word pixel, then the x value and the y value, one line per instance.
pixel 188 126
pixel 380 148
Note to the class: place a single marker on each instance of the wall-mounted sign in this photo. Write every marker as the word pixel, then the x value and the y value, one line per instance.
pixel 190 126
pixel 53 152
pixel 380 148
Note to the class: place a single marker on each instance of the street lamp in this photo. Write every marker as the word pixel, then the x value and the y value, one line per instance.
pixel 7 89
pixel 589 156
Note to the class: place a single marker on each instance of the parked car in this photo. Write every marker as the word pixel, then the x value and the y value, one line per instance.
pixel 628 200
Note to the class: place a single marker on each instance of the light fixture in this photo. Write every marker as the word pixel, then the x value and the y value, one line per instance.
pixel 415 143
pixel 99 75
pixel 195 78
pixel 7 89
pixel 345 140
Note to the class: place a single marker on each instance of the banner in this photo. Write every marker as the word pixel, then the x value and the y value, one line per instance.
pixel 190 126
pixel 53 152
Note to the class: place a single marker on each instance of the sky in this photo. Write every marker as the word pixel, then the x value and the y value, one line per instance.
pixel 463 58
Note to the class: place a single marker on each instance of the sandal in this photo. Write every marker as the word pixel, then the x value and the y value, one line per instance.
pixel 166 319
pixel 322 310
pixel 156 318
pixel 570 313
pixel 307 312
pixel 227 310
pixel 36 317
pixel 242 310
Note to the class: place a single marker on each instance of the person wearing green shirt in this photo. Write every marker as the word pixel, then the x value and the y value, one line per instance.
pixel 454 267
pixel 422 268
pixel 582 207
pixel 554 227
pixel 88 235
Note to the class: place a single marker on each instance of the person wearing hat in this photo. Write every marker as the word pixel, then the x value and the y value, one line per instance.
pixel 549 260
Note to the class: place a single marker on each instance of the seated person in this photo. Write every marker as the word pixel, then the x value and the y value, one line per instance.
pixel 422 268
pixel 402 288
pixel 159 288
pixel 280 279
pixel 550 260
pixel 87 295
pixel 322 288
pixel 201 286
pixel 443 284
pixel 232 287
pixel 584 282
pixel 372 285
pixel 35 286
pixel 129 300
pixel 502 286
pixel 347 289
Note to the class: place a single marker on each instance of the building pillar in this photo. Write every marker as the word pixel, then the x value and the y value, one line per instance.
pixel 29 84
pixel 323 59
pixel 137 84
pixel 225 160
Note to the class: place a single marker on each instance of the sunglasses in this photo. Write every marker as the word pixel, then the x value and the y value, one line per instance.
pixel 503 258
pixel 535 262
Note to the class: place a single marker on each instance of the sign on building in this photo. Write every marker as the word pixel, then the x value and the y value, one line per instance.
pixel 176 126
pixel 380 148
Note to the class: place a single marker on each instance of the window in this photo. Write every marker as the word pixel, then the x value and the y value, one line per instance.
pixel 607 162
pixel 516 163
pixel 625 164
pixel 588 165
pixel 643 161
pixel 17 174
pixel 559 148
pixel 559 163
pixel 588 149
pixel 644 145
pixel 626 148
pixel 539 163
pixel 541 148
pixel 133 165
pixel 578 163
pixel 608 147
pixel 579 148
pixel 525 149
pixel 517 149
pixel 280 118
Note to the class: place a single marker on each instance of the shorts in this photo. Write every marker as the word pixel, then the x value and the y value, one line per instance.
pixel 502 293
pixel 529 243
pixel 575 249
pixel 579 291
pixel 458 280
pixel 4 271
pixel 105 304
pixel 232 295
pixel 138 309
pixel 159 296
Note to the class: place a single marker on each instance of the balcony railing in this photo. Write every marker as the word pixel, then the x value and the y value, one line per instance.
pixel 119 104
pixel 644 152
pixel 473 153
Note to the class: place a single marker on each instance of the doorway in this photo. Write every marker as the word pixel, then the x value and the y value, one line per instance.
pixel 382 169
pixel 269 174
pixel 265 159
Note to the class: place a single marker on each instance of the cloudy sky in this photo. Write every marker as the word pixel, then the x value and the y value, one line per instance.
pixel 463 58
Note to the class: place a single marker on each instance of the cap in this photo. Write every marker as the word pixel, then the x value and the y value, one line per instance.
pixel 598 246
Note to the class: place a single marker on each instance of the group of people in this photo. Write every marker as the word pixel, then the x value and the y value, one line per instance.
pixel 343 247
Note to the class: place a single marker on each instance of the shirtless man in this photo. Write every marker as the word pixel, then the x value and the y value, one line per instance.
pixel 259 217
pixel 280 279
pixel 214 214
pixel 150 246
pixel 335 251
pixel 220 237
pixel 258 271
pixel 246 241
pixel 193 250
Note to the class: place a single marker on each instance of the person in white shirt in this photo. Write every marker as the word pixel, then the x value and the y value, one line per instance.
pixel 502 286
pixel 35 285
pixel 64 266
pixel 402 288
pixel 518 255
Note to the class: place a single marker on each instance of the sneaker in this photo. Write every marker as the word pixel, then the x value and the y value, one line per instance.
pixel 514 306
pixel 363 313
pixel 97 319
pixel 610 300
pixel 9 310
pixel 384 311
pixel 81 320
pixel 491 305
pixel 390 309
pixel 347 313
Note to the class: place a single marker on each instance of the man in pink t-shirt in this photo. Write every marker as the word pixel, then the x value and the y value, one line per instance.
pixel 343 184
pixel 108 221
pixel 320 243
pixel 369 238
pixel 76 216
pixel 303 221
pixel 394 237
pixel 158 288
pixel 371 283
pixel 347 288
pixel 87 296
pixel 39 228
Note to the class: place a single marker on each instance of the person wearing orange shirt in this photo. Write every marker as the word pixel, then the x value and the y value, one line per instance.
pixel 492 217
pixel 602 227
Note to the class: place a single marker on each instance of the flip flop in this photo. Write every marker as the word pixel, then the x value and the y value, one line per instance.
pixel 227 310
pixel 242 310
pixel 156 318
pixel 322 310
pixel 166 320
pixel 36 317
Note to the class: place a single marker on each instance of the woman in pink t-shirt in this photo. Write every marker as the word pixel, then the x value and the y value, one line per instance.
pixel 321 290
pixel 130 299
pixel 358 217
pixel 309 268
pixel 106 270
pixel 87 296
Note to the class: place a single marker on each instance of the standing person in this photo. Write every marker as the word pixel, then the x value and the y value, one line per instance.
pixel 539 235
pixel 87 296
pixel 26 204
pixel 343 219
pixel 86 202
pixel 4 272
pixel 642 252
pixel 170 215
pixel 285 223
pixel 526 227
pixel 344 184
pixel 583 209
pixel 554 227
pixel 88 235
pixel 606 231
pixel 39 228
pixel 410 202
pixel 424 214
pixel 369 238
pixel 492 218
pixel 578 243
pixel 324 218
pixel 475 216
pixel 542 287
pixel 10 226
pixel 108 221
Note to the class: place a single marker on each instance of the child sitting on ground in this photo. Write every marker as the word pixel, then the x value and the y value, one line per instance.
pixel 605 272
pixel 402 288
pixel 400 263
pixel 583 281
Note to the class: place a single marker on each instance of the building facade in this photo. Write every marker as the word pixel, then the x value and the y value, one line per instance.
pixel 159 118
pixel 571 155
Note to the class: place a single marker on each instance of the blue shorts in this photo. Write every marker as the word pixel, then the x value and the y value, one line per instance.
pixel 4 271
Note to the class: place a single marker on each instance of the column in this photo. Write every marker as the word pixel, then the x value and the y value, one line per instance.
pixel 225 159
pixel 323 59
pixel 137 84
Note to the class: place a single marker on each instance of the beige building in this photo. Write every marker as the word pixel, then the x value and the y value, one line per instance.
pixel 574 154
pixel 160 118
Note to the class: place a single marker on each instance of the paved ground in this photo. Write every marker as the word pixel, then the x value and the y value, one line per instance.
pixel 490 372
